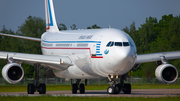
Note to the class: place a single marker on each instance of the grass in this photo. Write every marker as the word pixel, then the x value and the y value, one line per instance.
pixel 62 98
pixel 14 88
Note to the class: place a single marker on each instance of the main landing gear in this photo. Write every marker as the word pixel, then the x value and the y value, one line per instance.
pixel 115 87
pixel 41 88
pixel 76 86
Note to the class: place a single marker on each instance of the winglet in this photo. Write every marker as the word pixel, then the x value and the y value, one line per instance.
pixel 51 25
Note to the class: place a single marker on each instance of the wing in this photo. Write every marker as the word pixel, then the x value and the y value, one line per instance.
pixel 157 56
pixel 54 62
pixel 22 37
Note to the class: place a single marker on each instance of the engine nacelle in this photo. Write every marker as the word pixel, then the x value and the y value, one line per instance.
pixel 166 73
pixel 13 73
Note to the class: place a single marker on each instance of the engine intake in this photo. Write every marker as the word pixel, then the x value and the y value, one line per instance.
pixel 13 73
pixel 166 73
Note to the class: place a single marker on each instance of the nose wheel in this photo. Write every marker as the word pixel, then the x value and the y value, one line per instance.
pixel 116 88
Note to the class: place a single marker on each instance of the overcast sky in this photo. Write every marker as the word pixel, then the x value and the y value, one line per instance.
pixel 116 13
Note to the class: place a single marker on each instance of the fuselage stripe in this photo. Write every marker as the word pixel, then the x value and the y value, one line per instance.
pixel 98 55
pixel 71 41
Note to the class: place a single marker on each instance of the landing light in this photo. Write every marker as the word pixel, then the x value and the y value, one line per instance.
pixel 62 61
pixel 111 76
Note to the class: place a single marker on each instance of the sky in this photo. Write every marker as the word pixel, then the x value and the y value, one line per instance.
pixel 116 13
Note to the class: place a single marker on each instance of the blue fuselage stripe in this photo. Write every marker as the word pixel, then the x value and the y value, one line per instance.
pixel 98 54
pixel 72 41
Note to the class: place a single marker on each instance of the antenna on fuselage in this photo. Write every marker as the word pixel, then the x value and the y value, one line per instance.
pixel 69 28
pixel 109 26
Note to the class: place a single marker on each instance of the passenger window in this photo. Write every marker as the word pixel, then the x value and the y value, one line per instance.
pixel 108 44
pixel 118 43
pixel 125 43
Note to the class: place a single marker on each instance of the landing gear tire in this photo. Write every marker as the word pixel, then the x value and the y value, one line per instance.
pixel 117 89
pixel 42 88
pixel 111 90
pixel 74 88
pixel 82 88
pixel 127 89
pixel 31 88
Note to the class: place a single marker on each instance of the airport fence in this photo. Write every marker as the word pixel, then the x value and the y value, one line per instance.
pixel 101 81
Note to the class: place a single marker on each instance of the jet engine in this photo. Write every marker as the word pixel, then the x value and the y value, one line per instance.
pixel 13 73
pixel 166 73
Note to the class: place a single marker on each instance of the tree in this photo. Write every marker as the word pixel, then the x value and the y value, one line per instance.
pixel 94 27
pixel 62 26
pixel 32 27
pixel 73 27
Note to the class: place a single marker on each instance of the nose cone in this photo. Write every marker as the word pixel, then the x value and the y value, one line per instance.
pixel 124 54
pixel 123 60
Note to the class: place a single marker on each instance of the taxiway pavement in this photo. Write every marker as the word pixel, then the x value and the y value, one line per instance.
pixel 103 93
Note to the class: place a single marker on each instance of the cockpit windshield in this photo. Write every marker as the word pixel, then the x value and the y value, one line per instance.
pixel 111 43
pixel 125 43
pixel 118 43
pixel 108 44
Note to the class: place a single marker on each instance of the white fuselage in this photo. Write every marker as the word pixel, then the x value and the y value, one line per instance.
pixel 91 55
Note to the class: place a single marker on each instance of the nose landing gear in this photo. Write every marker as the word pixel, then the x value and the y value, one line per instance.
pixel 115 87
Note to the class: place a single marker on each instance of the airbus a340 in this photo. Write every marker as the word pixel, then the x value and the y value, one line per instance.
pixel 85 54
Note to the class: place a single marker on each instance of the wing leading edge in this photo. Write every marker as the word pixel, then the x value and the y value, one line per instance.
pixel 157 56
pixel 53 62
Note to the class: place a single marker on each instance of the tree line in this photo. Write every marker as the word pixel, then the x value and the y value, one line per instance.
pixel 155 36
pixel 152 36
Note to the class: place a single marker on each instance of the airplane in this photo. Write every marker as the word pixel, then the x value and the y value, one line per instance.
pixel 85 54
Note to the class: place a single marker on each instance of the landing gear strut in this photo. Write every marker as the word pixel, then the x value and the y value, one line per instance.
pixel 39 87
pixel 76 86
pixel 115 87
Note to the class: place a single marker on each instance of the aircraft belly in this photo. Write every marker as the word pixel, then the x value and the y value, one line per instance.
pixel 73 72
pixel 83 62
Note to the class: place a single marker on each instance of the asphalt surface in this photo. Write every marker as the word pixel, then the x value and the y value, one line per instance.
pixel 103 93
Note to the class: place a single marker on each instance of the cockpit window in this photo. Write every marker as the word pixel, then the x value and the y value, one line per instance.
pixel 108 44
pixel 112 43
pixel 118 43
pixel 125 43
